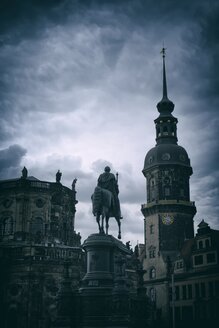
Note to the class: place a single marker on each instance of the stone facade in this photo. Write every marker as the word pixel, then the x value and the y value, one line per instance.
pixel 37 211
pixel 194 291
pixel 48 279
pixel 168 226
pixel 37 238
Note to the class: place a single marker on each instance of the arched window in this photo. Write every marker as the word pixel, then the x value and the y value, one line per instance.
pixel 152 229
pixel 165 131
pixel 152 273
pixel 152 252
pixel 207 243
pixel 200 244
pixel 36 226
pixel 173 130
pixel 158 132
pixel 153 295
pixel 7 226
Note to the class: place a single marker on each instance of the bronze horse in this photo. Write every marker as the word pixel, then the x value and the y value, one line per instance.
pixel 103 207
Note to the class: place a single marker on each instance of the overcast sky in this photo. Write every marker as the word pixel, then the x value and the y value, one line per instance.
pixel 79 84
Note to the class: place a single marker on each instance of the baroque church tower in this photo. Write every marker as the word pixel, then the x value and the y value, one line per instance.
pixel 169 213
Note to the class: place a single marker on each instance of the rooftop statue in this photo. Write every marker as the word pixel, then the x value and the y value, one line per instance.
pixel 58 176
pixel 24 173
pixel 73 184
pixel 105 200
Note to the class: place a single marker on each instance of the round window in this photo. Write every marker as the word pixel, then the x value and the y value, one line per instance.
pixel 166 157
pixel 182 157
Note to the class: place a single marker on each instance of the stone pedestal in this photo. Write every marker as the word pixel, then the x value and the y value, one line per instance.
pixel 120 295
pixel 98 283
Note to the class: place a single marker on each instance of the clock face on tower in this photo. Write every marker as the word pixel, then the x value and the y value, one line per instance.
pixel 167 219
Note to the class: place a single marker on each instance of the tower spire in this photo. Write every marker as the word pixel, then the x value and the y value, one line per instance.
pixel 163 51
pixel 165 106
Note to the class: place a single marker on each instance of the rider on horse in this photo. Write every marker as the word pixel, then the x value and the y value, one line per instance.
pixel 108 181
pixel 105 201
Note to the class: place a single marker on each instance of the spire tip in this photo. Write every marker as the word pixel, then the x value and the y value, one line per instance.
pixel 165 105
pixel 163 52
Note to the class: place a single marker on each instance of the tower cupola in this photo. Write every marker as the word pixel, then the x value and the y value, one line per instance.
pixel 167 156
pixel 166 130
pixel 165 106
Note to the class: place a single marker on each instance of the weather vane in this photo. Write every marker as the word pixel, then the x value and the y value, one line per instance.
pixel 163 51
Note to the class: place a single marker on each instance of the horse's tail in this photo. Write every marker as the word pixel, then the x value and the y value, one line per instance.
pixel 96 200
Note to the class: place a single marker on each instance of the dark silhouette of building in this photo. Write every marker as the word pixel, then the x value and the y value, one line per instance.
pixel 168 228
pixel 37 237
pixel 194 291
pixel 48 279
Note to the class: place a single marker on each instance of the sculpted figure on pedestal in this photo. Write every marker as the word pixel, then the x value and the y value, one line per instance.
pixel 105 200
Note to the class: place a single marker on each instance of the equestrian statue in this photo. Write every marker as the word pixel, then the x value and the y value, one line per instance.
pixel 105 201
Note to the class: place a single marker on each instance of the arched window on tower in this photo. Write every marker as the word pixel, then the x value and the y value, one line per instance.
pixel 158 132
pixel 152 189
pixel 152 229
pixel 152 273
pixel 152 252
pixel 165 131
pixel 172 130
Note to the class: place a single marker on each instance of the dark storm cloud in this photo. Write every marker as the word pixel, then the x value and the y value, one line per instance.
pixel 209 40
pixel 10 160
pixel 35 77
pixel 202 56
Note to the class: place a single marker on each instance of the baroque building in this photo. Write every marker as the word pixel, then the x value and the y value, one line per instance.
pixel 37 241
pixel 168 215
pixel 48 279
